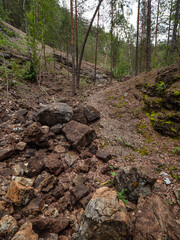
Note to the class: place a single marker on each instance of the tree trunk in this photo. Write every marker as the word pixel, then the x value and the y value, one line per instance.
pixel 157 23
pixel 27 35
pixel 85 40
pixel 142 36
pixel 176 22
pixel 72 44
pixel 77 46
pixel 95 65
pixel 112 12
pixel 137 39
pixel 149 37
pixel 169 29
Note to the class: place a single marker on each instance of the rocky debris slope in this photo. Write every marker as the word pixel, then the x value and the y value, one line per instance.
pixel 52 179
pixel 162 100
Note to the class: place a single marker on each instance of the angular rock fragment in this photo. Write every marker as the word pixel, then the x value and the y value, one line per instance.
pixel 45 182
pixel 54 165
pixel 2 209
pixel 79 191
pixel 56 113
pixel 45 225
pixel 86 114
pixel 34 207
pixel 26 233
pixel 21 146
pixel 8 227
pixel 136 181
pixel 34 134
pixel 24 181
pixel 35 166
pixel 70 158
pixel 6 153
pixel 19 194
pixel 103 155
pixel 105 218
pixel 155 220
pixel 79 135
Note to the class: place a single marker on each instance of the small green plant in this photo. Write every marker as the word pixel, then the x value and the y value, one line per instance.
pixel 176 151
pixel 112 173
pixel 160 87
pixel 122 197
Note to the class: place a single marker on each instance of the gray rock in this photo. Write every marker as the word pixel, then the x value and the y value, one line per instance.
pixel 136 181
pixel 8 227
pixel 21 146
pixel 57 129
pixel 56 113
pixel 105 218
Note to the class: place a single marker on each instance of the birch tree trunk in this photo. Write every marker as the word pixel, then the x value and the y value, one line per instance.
pixel 157 23
pixel 95 65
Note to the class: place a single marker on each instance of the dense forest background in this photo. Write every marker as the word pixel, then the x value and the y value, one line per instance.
pixel 113 42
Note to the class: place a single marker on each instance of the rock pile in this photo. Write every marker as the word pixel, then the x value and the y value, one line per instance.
pixel 50 167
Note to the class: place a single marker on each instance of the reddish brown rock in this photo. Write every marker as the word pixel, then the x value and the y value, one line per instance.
pixel 6 153
pixel 70 158
pixel 86 114
pixel 58 191
pixel 155 220
pixel 84 166
pixel 103 155
pixel 45 182
pixel 53 164
pixel 36 135
pixel 2 209
pixel 19 194
pixel 8 227
pixel 35 166
pixel 79 191
pixel 79 135
pixel 86 154
pixel 34 207
pixel 26 233
pixel 42 226
pixel 91 113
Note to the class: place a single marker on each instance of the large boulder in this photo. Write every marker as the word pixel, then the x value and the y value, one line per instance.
pixel 136 181
pixel 105 218
pixel 86 114
pixel 155 220
pixel 79 135
pixel 26 233
pixel 55 113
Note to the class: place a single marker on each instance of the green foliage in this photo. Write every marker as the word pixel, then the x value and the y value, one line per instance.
pixel 29 73
pixel 176 151
pixel 160 87
pixel 122 197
